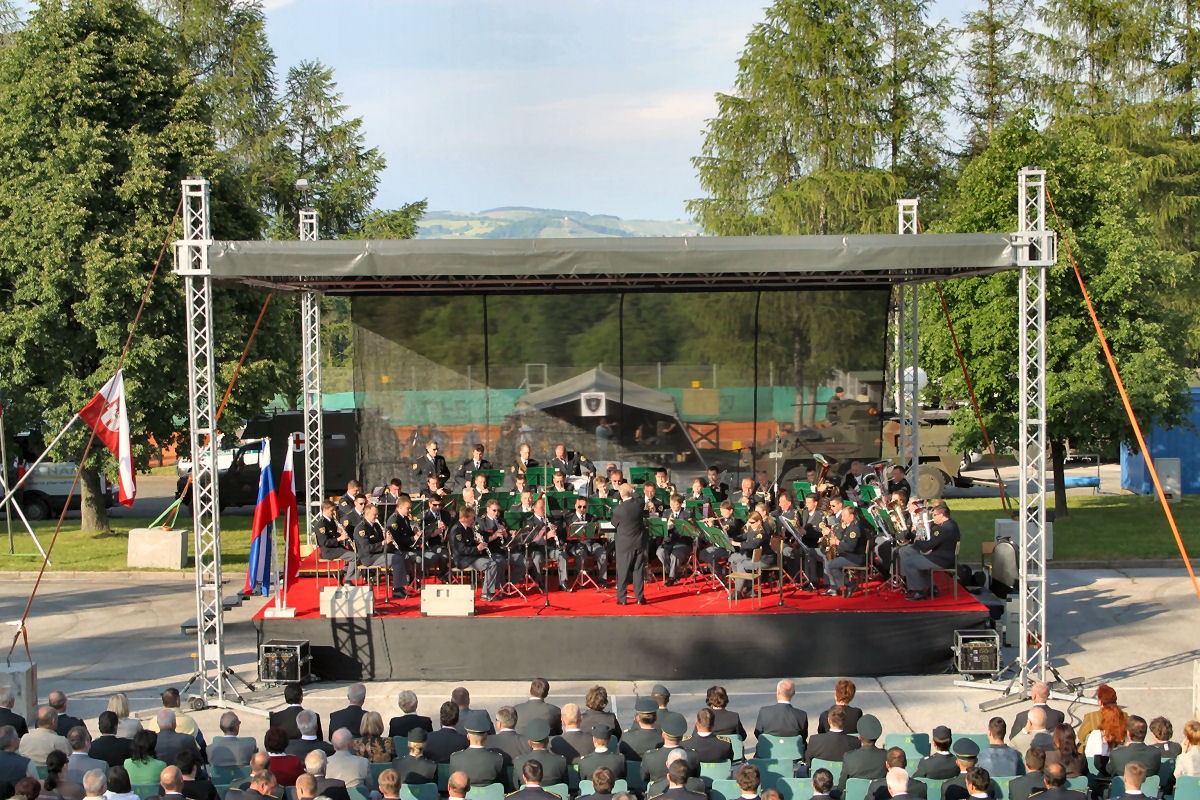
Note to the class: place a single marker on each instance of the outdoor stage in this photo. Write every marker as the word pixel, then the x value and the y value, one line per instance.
pixel 680 634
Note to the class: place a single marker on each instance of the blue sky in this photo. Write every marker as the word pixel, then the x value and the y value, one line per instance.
pixel 591 105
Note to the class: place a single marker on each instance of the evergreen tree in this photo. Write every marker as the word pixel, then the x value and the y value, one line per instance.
pixel 992 65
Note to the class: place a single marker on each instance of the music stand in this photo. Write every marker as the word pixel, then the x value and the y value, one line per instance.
pixel 508 588
pixel 583 532
pixel 715 536
pixel 539 476
pixel 495 477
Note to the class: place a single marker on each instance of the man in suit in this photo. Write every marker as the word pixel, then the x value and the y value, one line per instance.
pixel 601 756
pixel 997 758
pixel 536 707
pixel 1135 776
pixel 350 769
pixel 316 765
pixel 554 766
pixel 897 785
pixel 38 743
pixel 1033 781
pixel 1039 693
pixel 881 790
pixel 481 765
pixel 632 542
pixel 644 735
pixel 678 780
pixel 1135 751
pixel 13 766
pixel 867 760
pixel 58 701
pixel 306 721
pixel 446 740
pixel 662 696
pixel 461 697
pixel 293 695
pixel 1035 733
pixel 171 741
pixel 79 762
pixel 171 781
pixel 430 465
pixel 350 716
pixel 230 749
pixel 573 743
pixel 107 746
pixel 8 698
pixel 834 743
pixel 410 719
pixel 507 741
pixel 531 779
pixel 708 748
pixel 415 767
pixel 781 718
pixel 939 765
pixel 1055 780
pixel 654 762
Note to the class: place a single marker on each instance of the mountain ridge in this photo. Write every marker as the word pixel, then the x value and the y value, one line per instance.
pixel 527 222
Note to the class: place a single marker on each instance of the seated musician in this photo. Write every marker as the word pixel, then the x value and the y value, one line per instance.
pixel 615 479
pixel 851 545
pixel 333 540
pixel 346 503
pixel 886 551
pixel 748 495
pixel 602 489
pixel 558 482
pixel 596 548
pixel 471 552
pixel 520 487
pixel 480 484
pixel 499 540
pixel 435 523
pixel 400 526
pixel 662 481
pixel 810 520
pixel 473 464
pixel 652 508
pixel 545 546
pixel 899 482
pixel 376 549
pixel 350 520
pixel 719 490
pixel 936 551
pixel 525 503
pixel 433 488
pixel 387 503
pixel 789 529
pixel 675 549
pixel 562 462
pixel 522 465
pixel 765 487
pixel 771 531
pixel 717 557
pixel 752 537
pixel 469 500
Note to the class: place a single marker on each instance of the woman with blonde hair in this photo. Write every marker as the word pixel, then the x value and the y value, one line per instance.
pixel 371 744
pixel 1188 762
pixel 127 726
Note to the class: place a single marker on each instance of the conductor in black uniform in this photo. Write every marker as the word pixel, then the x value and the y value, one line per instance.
pixel 430 465
pixel 632 542
pixel 936 552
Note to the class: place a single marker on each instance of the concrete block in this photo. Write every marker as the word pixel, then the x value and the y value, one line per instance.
pixel 21 679
pixel 347 601
pixel 1011 529
pixel 154 547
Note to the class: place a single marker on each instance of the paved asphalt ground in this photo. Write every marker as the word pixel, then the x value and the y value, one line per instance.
pixel 95 634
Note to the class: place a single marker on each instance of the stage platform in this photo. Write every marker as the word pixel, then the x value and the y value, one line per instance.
pixel 685 632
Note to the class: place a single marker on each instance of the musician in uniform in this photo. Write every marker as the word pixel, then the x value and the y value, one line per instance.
pixel 853 479
pixel 749 495
pixel 889 549
pixel 471 552
pixel 788 528
pixel 596 548
pixel 545 546
pixel 480 484
pixel 376 549
pixel 851 545
pixel 719 490
pixel 522 465
pixel 715 556
pixel 387 502
pixel 752 537
pixel 430 465
pixel 473 464
pixel 400 526
pixel 499 539
pixel 898 482
pixel 563 462
pixel 333 540
pixel 662 481
pixel 935 552
pixel 602 489
pixel 433 488
pixel 355 515
pixel 558 482
pixel 653 508
pixel 810 538
pixel 435 523
pixel 346 503
pixel 675 548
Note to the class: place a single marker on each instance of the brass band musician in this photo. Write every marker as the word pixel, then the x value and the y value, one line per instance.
pixel 435 523
pixel 548 546
pixel 675 548
pixel 851 546
pixel 596 548
pixel 430 465
pixel 499 540
pixel 717 557
pixel 471 551
pixel 376 549
pixel 333 541
pixel 753 536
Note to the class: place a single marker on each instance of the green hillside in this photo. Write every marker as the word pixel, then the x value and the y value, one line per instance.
pixel 543 223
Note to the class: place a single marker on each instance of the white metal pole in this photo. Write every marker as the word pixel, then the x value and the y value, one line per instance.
pixel 40 459
pixel 4 478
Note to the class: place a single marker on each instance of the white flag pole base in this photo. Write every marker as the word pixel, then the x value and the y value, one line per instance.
pixel 279 612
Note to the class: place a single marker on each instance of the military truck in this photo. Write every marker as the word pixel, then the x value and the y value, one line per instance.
pixel 941 463
pixel 853 430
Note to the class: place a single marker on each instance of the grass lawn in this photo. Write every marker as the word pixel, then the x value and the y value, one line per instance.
pixel 1099 528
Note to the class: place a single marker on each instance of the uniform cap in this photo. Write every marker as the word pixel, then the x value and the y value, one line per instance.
pixel 869 727
pixel 942 733
pixel 601 731
pixel 476 722
pixel 658 688
pixel 645 705
pixel 538 730
pixel 965 748
pixel 675 727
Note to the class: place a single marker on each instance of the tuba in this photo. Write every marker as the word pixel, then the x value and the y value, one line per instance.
pixel 879 471
pixel 824 464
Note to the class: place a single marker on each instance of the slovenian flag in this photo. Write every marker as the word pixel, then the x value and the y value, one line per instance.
pixel 266 509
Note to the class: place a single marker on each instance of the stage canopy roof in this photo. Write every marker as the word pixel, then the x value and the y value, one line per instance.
pixel 519 266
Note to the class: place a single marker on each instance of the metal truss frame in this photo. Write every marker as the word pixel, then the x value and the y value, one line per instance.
pixel 907 353
pixel 314 427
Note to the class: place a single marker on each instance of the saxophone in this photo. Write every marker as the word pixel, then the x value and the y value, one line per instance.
pixel 828 542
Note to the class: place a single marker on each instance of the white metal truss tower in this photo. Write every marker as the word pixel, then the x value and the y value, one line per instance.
pixel 191 265
pixel 906 355
pixel 314 429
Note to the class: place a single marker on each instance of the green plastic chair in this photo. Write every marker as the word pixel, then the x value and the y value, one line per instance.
pixel 619 785
pixel 1187 787
pixel 796 788
pixel 418 791
pixel 1150 786
pixel 559 789
pixel 228 775
pixel 834 767
pixel 375 770
pixel 633 775
pixel 856 789
pixel 779 748
pixel 1079 783
pixel 914 745
pixel 724 790
pixel 144 790
pixel 491 791
pixel 443 776
pixel 934 787
pixel 1001 786
pixel 716 770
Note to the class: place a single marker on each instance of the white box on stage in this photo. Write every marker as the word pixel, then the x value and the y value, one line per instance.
pixel 347 601
pixel 447 600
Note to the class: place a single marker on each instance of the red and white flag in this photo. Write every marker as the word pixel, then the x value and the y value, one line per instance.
pixel 289 508
pixel 106 415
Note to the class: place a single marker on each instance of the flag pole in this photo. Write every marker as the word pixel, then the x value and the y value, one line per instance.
pixel 40 459
pixel 4 477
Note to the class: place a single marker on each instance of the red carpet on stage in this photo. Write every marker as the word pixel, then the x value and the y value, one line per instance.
pixel 684 599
